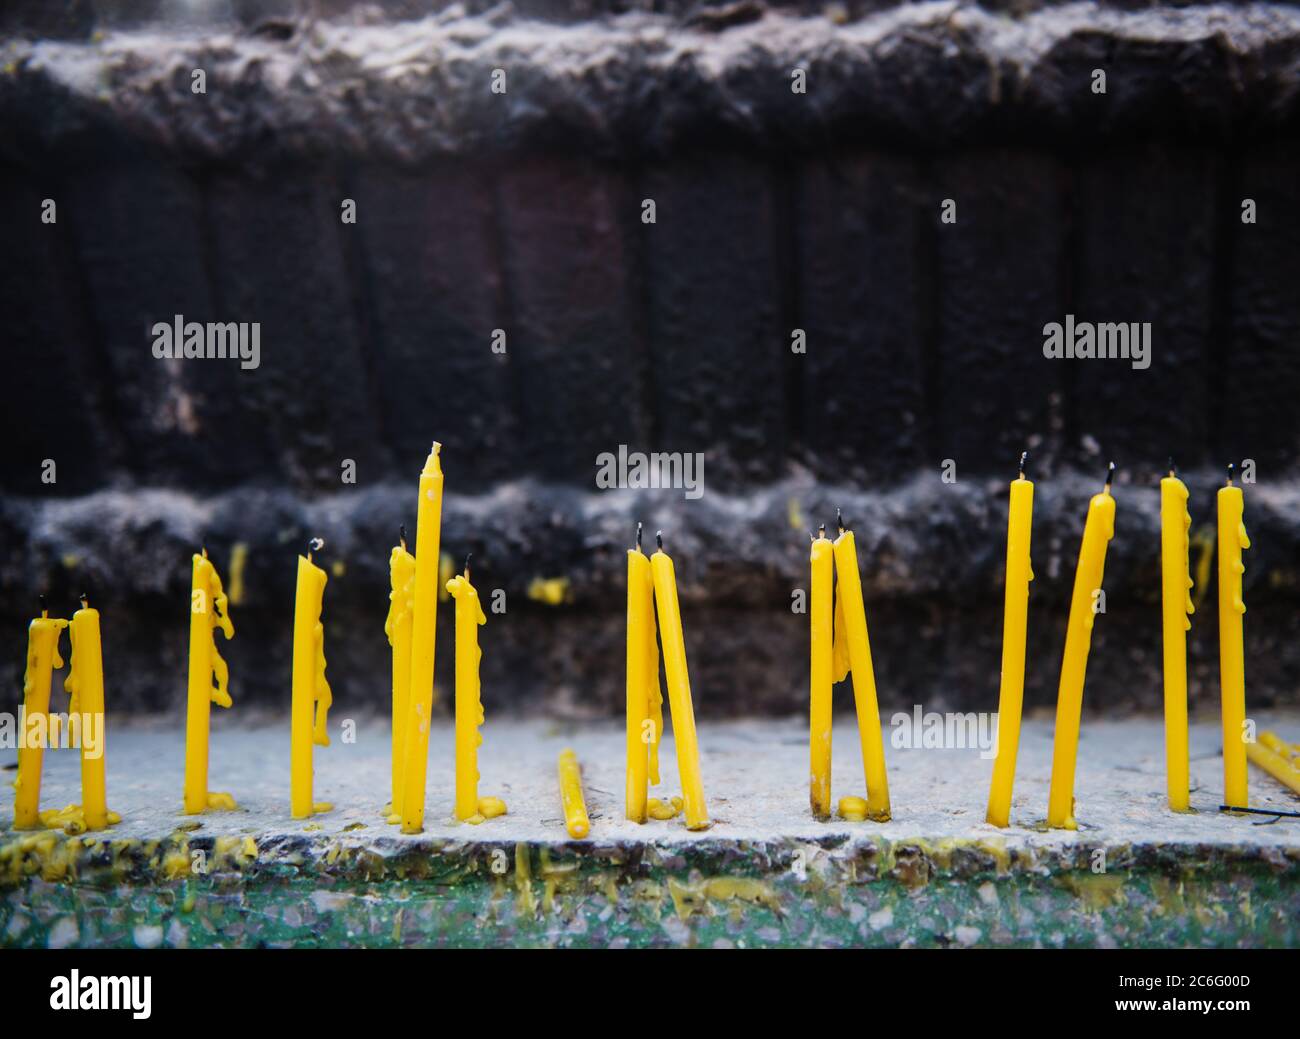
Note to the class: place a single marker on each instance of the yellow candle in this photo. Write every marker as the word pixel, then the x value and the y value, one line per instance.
pixel 1097 532
pixel 208 612
pixel 644 700
pixel 1276 758
pixel 42 658
pixel 575 806
pixel 864 675
pixel 401 574
pixel 1232 667
pixel 311 693
pixel 428 535
pixel 679 688
pixel 1015 617
pixel 1176 603
pixel 469 698
pixel 821 613
pixel 85 683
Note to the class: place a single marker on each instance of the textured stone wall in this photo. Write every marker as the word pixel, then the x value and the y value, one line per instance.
pixel 522 212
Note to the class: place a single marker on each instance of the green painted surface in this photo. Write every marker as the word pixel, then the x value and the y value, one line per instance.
pixel 304 893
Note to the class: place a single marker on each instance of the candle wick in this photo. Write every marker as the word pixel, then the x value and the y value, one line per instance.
pixel 638 537
pixel 659 539
pixel 314 545
pixel 401 534
pixel 1231 467
pixel 1110 474
pixel 1024 457
pixel 821 531
pixel 839 519
pixel 1173 469
pixel 468 557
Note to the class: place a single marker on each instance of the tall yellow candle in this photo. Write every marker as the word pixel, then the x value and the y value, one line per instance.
pixel 1176 606
pixel 208 612
pixel 469 697
pixel 311 693
pixel 85 684
pixel 428 536
pixel 397 626
pixel 42 658
pixel 1015 618
pixel 644 700
pixel 1097 532
pixel 679 687
pixel 864 675
pixel 1232 665
pixel 821 613
pixel 576 820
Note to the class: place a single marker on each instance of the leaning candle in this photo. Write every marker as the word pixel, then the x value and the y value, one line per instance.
pixel 42 658
pixel 208 612
pixel 1176 604
pixel 864 676
pixel 469 695
pixel 679 687
pixel 85 683
pixel 428 535
pixel 1232 667
pixel 1097 532
pixel 311 693
pixel 1276 758
pixel 1015 618
pixel 397 626
pixel 576 820
pixel 821 613
pixel 644 726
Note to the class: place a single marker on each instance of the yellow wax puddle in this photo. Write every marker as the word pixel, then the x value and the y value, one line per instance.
pixel 656 809
pixel 322 806
pixel 853 809
pixel 71 819
pixel 488 808
pixel 690 899
pixel 553 591
pixel 312 827
pixel 221 802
